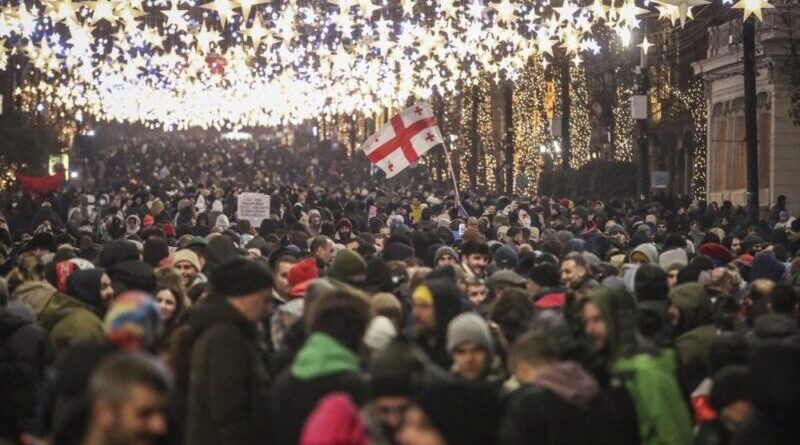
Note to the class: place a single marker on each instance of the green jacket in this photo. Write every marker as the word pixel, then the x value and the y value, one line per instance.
pixel 649 378
pixel 661 412
pixel 322 355
pixel 68 321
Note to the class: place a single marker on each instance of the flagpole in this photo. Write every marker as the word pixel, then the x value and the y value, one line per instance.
pixel 452 175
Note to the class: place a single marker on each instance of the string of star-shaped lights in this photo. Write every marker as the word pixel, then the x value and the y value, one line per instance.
pixel 752 7
pixel 176 64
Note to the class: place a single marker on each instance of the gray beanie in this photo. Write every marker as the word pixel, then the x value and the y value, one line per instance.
pixel 469 327
pixel 442 251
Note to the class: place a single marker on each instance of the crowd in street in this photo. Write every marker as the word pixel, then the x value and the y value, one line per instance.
pixel 136 307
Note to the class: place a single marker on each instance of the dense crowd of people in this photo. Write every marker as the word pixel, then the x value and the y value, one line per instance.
pixel 137 308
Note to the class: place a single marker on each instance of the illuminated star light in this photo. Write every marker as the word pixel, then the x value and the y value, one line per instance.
pixel 645 45
pixel 60 10
pixel 247 5
pixel 101 10
pixel 505 11
pixel 566 12
pixel 753 7
pixel 224 9
pixel 679 8
pixel 175 17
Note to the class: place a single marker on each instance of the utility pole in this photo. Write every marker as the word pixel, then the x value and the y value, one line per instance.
pixel 750 117
pixel 566 105
pixel 472 164
pixel 508 93
pixel 641 112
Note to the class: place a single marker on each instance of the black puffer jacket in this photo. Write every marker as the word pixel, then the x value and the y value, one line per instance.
pixel 24 355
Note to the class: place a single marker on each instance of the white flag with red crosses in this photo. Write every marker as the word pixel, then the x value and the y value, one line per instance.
pixel 403 140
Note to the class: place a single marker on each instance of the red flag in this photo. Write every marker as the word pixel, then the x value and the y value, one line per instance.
pixel 40 185
pixel 403 140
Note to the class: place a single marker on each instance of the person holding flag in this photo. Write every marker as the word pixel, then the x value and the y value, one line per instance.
pixel 405 139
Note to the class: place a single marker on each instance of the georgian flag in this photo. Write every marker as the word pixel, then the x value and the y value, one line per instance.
pixel 403 140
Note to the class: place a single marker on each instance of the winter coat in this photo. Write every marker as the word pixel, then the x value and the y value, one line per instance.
pixel 565 406
pixel 68 409
pixel 693 353
pixel 68 321
pixel 646 373
pixel 775 327
pixel 698 332
pixel 761 430
pixel 321 367
pixel 335 421
pixel 84 285
pixel 228 378
pixel 661 411
pixel 35 294
pixel 24 355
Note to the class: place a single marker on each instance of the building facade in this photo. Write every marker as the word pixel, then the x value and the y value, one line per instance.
pixel 778 136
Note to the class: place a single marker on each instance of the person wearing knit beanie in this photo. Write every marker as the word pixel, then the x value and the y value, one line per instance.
pixel 344 230
pixel 133 322
pixel 579 217
pixel 132 275
pixel 301 275
pixel 387 305
pixel 506 257
pixel 225 364
pixel 445 256
pixel 240 277
pixel 348 267
pixel 719 254
pixel 673 256
pixel 397 251
pixel 469 342
pixel 752 244
pixel 188 264
pixel 766 266
pixel 455 413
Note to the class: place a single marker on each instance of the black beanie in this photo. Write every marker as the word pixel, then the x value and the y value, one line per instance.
pixel 462 413
pixel 42 240
pixel 545 275
pixel 132 275
pixel 732 383
pixel 239 276
pixel 155 250
pixel 397 251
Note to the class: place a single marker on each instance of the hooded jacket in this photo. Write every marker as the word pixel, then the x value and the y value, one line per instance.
pixel 774 327
pixel 447 304
pixel 335 421
pixel 648 250
pixel 695 333
pixel 35 294
pixel 84 285
pixel 322 366
pixel 68 321
pixel 564 405
pixel 228 378
pixel 24 355
pixel 649 376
